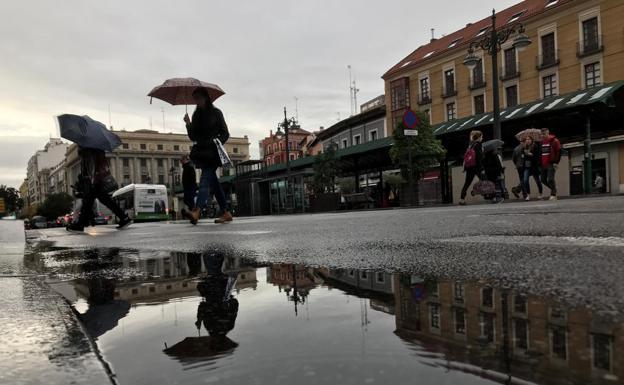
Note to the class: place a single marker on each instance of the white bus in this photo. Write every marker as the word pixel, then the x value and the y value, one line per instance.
pixel 143 202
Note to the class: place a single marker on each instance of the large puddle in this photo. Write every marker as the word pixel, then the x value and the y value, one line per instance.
pixel 188 318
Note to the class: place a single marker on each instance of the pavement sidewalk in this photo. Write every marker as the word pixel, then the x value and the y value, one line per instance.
pixel 43 342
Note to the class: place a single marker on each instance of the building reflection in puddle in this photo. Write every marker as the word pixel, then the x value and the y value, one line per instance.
pixel 526 336
pixel 468 328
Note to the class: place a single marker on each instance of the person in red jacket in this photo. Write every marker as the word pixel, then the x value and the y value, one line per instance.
pixel 551 155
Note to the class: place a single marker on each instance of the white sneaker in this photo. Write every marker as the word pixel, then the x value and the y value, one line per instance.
pixel 553 198
pixel 527 199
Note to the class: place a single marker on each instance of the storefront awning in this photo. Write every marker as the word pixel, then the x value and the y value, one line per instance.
pixel 602 94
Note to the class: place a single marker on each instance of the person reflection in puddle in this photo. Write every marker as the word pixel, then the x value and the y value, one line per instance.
pixel 218 308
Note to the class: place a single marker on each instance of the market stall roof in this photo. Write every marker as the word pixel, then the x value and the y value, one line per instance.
pixel 340 154
pixel 602 94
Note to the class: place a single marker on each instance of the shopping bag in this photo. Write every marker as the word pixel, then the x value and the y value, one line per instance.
pixel 223 155
pixel 484 187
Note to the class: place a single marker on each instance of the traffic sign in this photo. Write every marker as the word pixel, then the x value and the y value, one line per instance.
pixel 410 120
pixel 410 132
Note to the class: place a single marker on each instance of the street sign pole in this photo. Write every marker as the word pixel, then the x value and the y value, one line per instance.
pixel 410 122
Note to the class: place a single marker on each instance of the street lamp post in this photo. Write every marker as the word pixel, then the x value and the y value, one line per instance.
pixel 492 45
pixel 286 124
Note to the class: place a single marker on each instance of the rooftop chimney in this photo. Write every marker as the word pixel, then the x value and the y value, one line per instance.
pixel 433 38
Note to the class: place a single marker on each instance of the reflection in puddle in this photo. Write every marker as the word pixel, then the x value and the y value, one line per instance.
pixel 212 317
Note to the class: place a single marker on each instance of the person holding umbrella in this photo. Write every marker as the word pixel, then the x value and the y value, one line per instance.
pixel 95 180
pixel 206 125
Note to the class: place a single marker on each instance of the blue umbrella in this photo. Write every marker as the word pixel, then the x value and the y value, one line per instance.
pixel 87 133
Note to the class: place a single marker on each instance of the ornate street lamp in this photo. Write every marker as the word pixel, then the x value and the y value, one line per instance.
pixel 286 125
pixel 492 45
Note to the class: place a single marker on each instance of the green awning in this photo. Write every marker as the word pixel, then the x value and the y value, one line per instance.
pixel 602 94
pixel 340 153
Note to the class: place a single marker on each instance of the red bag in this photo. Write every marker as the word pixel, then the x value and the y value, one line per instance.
pixel 470 158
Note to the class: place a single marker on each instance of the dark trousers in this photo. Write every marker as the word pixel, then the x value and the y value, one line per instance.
pixel 189 197
pixel 526 181
pixel 470 174
pixel 520 186
pixel 96 192
pixel 548 178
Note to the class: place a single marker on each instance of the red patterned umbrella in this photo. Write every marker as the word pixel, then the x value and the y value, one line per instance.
pixel 179 91
pixel 534 133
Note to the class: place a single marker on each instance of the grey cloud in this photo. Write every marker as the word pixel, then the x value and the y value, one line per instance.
pixel 83 54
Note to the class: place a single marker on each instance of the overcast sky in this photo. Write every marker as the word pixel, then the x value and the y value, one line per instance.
pixel 80 56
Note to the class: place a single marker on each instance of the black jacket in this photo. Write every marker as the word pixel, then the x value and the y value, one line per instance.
pixel 517 156
pixel 207 124
pixel 189 179
pixel 532 158
pixel 492 166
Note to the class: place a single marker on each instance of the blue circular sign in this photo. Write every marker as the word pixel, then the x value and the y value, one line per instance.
pixel 410 120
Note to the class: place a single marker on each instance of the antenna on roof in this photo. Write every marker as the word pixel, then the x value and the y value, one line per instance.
pixel 297 109
pixel 353 90
pixel 110 124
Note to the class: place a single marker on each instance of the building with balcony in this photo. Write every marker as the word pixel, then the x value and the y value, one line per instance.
pixel 273 148
pixel 39 168
pixel 566 79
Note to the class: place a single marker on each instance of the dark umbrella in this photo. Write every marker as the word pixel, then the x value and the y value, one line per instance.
pixel 492 145
pixel 87 133
pixel 179 91
pixel 197 348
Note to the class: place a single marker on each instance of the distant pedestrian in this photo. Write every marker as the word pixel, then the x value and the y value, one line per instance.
pixel 189 185
pixel 599 184
pixel 207 124
pixel 96 182
pixel 516 158
pixel 531 154
pixel 473 162
pixel 551 155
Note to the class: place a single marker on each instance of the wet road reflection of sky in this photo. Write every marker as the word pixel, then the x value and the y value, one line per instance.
pixel 289 323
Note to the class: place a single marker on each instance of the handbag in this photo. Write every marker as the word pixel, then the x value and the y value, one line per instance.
pixel 484 187
pixel 109 184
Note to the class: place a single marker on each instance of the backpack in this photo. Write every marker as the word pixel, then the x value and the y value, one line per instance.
pixel 470 157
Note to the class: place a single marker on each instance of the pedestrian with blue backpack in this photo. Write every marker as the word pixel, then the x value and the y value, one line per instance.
pixel 473 162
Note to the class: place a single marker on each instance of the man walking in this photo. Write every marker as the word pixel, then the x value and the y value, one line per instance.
pixel 189 184
pixel 96 183
pixel 551 155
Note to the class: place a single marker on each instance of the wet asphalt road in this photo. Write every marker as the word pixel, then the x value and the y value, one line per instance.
pixel 573 249
pixel 41 340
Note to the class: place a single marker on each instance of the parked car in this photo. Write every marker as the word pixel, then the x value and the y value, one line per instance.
pixel 101 219
pixel 38 222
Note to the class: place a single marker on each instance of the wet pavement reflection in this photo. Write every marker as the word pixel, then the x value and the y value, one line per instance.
pixel 185 318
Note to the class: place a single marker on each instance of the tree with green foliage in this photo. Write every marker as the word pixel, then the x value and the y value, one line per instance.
pixel 426 150
pixel 325 171
pixel 56 205
pixel 12 200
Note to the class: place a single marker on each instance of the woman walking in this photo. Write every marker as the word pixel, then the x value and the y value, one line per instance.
pixel 207 124
pixel 473 162
pixel 531 158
